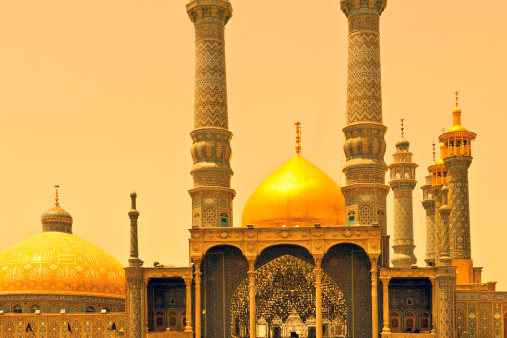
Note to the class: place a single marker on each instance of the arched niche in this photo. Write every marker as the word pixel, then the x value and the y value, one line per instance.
pixel 159 321
pixel 285 299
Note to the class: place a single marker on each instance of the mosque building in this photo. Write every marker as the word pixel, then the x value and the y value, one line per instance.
pixel 310 259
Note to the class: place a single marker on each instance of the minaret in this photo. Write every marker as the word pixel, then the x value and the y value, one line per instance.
pixel 403 183
pixel 365 190
pixel 438 174
pixel 458 144
pixel 134 277
pixel 429 205
pixel 211 151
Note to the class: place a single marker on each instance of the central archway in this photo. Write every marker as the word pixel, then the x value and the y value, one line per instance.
pixel 285 302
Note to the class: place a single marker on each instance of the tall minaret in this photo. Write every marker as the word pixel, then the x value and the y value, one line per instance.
pixel 211 150
pixel 458 144
pixel 403 183
pixel 438 180
pixel 365 190
pixel 429 205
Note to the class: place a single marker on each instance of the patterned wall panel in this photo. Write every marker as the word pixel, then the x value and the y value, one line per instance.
pixel 497 320
pixel 485 319
pixel 214 277
pixel 472 319
pixel 461 318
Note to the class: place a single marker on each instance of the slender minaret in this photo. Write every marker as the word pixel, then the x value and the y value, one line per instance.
pixel 458 144
pixel 365 190
pixel 429 206
pixel 211 150
pixel 438 180
pixel 403 183
pixel 134 277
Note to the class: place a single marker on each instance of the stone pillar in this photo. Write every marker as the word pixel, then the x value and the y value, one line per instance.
pixel 434 309
pixel 188 284
pixel 318 294
pixel 385 306
pixel 446 285
pixel 251 275
pixel 374 294
pixel 429 205
pixel 134 280
pixel 211 150
pixel 365 190
pixel 197 259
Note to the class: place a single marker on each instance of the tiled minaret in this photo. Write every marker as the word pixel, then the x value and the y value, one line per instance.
pixel 211 150
pixel 403 183
pixel 438 180
pixel 429 206
pixel 458 144
pixel 365 190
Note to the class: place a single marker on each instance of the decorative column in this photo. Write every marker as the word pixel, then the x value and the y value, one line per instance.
pixel 251 275
pixel 403 183
pixel 385 306
pixel 197 259
pixel 429 205
pixel 134 278
pixel 434 309
pixel 365 190
pixel 211 150
pixel 318 294
pixel 188 284
pixel 374 293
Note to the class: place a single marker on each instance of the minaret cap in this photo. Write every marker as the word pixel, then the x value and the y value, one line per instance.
pixel 402 142
pixel 56 218
pixel 456 117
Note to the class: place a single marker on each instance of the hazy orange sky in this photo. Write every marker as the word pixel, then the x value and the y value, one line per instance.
pixel 97 96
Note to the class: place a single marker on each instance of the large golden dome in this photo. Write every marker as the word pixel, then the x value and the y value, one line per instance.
pixel 297 193
pixel 58 263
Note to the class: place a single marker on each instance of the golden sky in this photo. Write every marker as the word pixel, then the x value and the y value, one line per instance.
pixel 97 96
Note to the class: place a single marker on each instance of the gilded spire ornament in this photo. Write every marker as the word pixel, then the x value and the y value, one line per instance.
pixel 56 196
pixel 457 97
pixel 402 129
pixel 298 137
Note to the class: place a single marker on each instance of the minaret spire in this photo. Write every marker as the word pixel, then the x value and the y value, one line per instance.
pixel 298 137
pixel 365 190
pixel 56 195
pixel 211 150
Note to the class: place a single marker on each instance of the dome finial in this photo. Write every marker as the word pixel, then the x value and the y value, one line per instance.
pixel 434 151
pixel 402 129
pixel 56 196
pixel 298 137
pixel 457 97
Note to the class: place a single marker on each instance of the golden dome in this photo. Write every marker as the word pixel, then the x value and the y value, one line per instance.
pixel 62 264
pixel 58 263
pixel 297 193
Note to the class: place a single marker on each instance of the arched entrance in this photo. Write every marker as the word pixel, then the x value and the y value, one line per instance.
pixel 285 299
pixel 172 320
pixel 159 321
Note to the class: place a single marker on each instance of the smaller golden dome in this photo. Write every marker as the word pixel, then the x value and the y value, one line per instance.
pixel 297 193
pixel 56 219
pixel 402 142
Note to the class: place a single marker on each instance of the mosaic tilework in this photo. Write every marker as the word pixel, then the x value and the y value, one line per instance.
pixel 497 320
pixel 472 320
pixel 461 318
pixel 460 209
pixel 134 301
pixel 484 315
